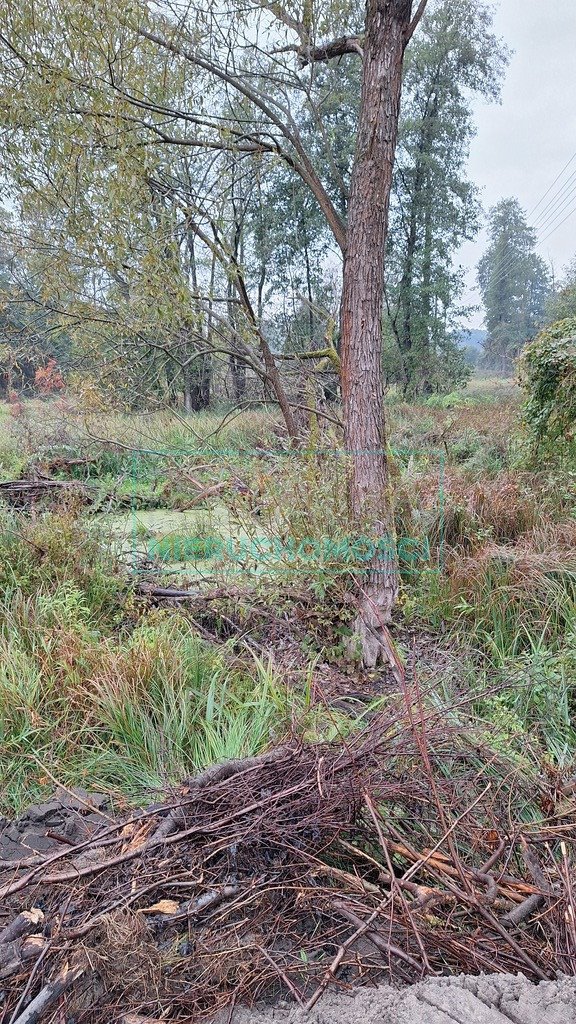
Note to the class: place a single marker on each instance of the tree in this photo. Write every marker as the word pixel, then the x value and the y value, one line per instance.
pixel 562 301
pixel 388 29
pixel 435 208
pixel 27 346
pixel 514 282
pixel 95 81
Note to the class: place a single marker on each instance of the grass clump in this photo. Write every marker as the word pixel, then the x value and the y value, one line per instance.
pixel 136 714
pixel 39 555
pixel 503 595
pixel 166 704
pixel 95 693
pixel 513 608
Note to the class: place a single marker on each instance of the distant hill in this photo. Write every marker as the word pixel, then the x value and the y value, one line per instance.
pixel 472 338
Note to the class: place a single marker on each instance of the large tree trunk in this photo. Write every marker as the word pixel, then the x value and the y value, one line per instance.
pixel 387 32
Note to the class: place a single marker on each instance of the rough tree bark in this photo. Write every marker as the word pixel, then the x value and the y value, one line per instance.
pixel 388 29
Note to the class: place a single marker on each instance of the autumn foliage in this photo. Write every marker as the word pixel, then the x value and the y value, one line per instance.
pixel 48 379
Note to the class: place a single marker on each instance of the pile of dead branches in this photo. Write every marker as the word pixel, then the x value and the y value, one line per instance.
pixel 393 855
pixel 43 491
pixel 25 494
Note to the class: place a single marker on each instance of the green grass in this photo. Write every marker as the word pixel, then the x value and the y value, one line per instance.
pixel 95 692
pixel 510 612
pixel 45 428
pixel 130 714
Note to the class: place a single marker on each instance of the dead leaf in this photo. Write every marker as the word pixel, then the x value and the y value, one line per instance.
pixel 162 907
pixel 136 837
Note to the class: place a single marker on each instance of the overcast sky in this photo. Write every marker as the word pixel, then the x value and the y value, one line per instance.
pixel 523 144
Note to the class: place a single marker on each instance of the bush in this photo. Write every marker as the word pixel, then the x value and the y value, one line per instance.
pixel 38 556
pixel 548 376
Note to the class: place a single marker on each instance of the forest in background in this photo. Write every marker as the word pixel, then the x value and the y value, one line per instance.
pixel 135 233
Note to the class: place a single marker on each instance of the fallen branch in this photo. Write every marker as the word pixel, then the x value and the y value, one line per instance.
pixel 49 995
pixel 24 924
pixel 261 875
pixel 15 955
pixel 524 910
pixel 376 938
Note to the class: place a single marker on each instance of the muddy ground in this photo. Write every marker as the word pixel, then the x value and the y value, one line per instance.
pixel 67 818
pixel 490 999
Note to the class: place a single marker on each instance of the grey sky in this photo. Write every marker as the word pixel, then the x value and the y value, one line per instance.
pixel 522 145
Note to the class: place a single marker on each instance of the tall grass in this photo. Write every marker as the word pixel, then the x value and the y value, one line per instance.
pixel 105 695
pixel 98 693
pixel 513 609
pixel 45 427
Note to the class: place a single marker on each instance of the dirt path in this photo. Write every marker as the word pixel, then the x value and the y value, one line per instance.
pixel 492 999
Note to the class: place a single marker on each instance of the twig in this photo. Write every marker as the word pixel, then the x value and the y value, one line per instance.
pixel 360 931
pixel 178 837
pixel 376 938
pixel 49 994
pixel 28 986
pixel 282 974
pixel 85 803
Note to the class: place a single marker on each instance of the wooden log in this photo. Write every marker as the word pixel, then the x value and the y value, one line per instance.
pixel 49 995
pixel 22 493
pixel 23 924
pixel 13 955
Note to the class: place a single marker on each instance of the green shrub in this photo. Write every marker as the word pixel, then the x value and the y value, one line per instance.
pixel 38 555
pixel 454 400
pixel 548 377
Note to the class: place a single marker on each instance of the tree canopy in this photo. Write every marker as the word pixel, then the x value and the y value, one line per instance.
pixel 455 57
pixel 562 300
pixel 514 282
pixel 182 182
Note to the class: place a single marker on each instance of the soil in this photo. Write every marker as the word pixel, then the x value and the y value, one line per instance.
pixel 67 818
pixel 486 999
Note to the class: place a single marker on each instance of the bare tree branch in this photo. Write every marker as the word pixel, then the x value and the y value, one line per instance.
pixel 416 20
pixel 335 48
pixel 303 165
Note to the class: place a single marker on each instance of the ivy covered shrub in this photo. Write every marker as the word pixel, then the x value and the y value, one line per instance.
pixel 548 377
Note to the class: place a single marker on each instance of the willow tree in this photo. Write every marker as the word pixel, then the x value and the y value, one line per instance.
pixel 140 78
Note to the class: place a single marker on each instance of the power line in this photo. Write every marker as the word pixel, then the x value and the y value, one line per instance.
pixel 547 216
pixel 544 213
pixel 563 201
pixel 570 214
pixel 540 201
pixel 511 261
